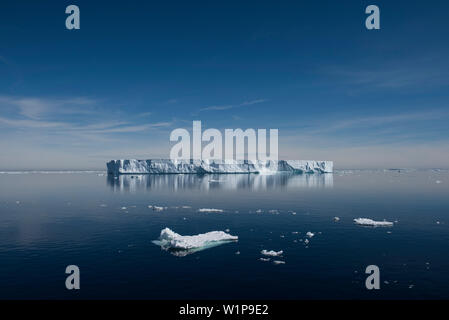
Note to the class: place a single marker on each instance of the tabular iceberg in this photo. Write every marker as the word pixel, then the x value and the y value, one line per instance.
pixel 160 166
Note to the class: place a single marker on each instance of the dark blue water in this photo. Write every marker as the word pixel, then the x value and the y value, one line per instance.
pixel 51 220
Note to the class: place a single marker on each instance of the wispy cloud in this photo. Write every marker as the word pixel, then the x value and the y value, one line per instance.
pixel 34 108
pixel 397 76
pixel 232 106
pixel 40 113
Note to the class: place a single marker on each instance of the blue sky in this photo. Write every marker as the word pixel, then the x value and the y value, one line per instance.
pixel 138 69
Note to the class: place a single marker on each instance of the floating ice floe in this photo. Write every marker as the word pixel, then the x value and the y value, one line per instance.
pixel 370 222
pixel 438 182
pixel 336 219
pixel 264 259
pixel 210 210
pixel 271 253
pixel 123 208
pixel 156 208
pixel 259 211
pixel 274 211
pixel 278 262
pixel 183 245
pixel 186 207
pixel 306 241
pixel 310 234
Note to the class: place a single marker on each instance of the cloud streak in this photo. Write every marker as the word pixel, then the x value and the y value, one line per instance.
pixel 233 106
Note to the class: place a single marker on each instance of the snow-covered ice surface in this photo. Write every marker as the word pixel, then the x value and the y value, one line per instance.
pixel 160 166
pixel 183 245
pixel 370 222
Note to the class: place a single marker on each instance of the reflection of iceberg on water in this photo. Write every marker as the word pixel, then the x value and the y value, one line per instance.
pixel 179 245
pixel 177 182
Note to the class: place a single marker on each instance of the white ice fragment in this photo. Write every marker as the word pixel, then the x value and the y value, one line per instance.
pixel 306 241
pixel 210 210
pixel 123 208
pixel 237 253
pixel 336 219
pixel 273 211
pixel 438 182
pixel 370 222
pixel 170 240
pixel 310 234
pixel 227 230
pixel 272 253
pixel 186 207
pixel 264 259
pixel 278 262
pixel 156 208
pixel 259 211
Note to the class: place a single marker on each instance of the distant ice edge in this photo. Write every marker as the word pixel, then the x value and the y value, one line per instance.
pixel 161 166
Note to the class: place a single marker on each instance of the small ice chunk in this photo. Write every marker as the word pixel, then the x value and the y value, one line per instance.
pixel 306 241
pixel 370 222
pixel 156 208
pixel 17 202
pixel 227 230
pixel 278 262
pixel 170 240
pixel 259 211
pixel 186 207
pixel 264 259
pixel 438 181
pixel 123 208
pixel 310 234
pixel 274 211
pixel 237 253
pixel 272 253
pixel 209 210
pixel 336 219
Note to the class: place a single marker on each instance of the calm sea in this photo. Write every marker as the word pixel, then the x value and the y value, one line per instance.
pixel 102 224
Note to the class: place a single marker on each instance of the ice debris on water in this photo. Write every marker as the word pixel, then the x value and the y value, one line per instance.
pixel 272 253
pixel 310 234
pixel 210 210
pixel 278 262
pixel 370 222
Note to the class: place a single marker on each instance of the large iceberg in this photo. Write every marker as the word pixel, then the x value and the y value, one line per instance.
pixel 180 245
pixel 159 166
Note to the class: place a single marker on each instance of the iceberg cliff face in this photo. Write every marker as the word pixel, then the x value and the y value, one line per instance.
pixel 162 166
